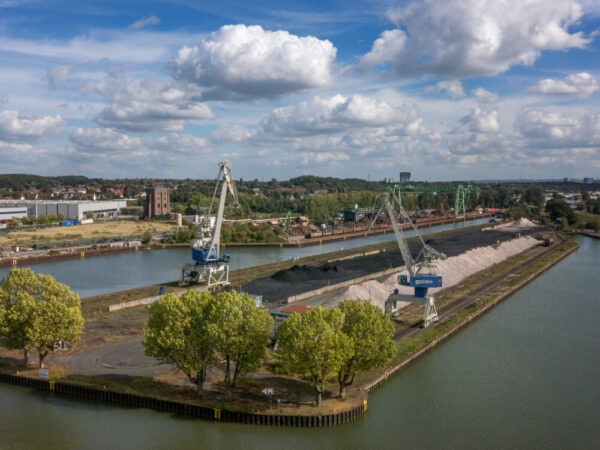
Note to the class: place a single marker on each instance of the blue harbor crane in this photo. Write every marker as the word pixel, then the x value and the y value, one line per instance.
pixel 209 265
pixel 421 276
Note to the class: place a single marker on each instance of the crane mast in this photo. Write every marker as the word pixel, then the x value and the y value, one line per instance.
pixel 210 265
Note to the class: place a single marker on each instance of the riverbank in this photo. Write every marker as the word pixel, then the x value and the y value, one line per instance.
pixel 410 349
pixel 514 274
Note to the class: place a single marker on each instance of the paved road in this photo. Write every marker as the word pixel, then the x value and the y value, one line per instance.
pixel 125 357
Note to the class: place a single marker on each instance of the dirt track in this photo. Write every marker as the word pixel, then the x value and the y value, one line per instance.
pixel 301 279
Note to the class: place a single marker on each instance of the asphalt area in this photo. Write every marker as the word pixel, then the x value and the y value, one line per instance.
pixel 300 279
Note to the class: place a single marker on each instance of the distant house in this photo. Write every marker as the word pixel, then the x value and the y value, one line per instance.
pixel 280 315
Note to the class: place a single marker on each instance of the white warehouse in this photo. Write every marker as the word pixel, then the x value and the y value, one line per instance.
pixel 70 209
pixel 10 212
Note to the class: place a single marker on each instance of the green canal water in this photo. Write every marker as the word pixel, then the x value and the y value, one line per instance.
pixel 524 376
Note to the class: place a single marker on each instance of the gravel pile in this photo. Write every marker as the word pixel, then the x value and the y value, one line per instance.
pixel 300 279
pixel 453 270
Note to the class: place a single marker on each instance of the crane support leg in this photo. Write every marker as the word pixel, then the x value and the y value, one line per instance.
pixel 431 314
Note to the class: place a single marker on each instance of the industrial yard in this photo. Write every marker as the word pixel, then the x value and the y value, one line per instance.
pixel 121 330
pixel 28 237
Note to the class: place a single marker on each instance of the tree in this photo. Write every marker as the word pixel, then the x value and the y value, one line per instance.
pixel 242 333
pixel 16 293
pixel 38 312
pixel 147 237
pixel 178 332
pixel 370 333
pixel 559 209
pixel 56 317
pixel 314 346
pixel 534 195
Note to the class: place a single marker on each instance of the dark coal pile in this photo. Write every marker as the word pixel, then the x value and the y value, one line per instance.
pixel 301 279
pixel 297 273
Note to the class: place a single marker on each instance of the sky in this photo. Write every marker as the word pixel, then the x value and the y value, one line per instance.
pixel 447 90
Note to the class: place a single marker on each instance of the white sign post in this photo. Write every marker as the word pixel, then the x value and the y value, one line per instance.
pixel 269 392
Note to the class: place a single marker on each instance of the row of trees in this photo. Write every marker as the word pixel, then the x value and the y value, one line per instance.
pixel 325 344
pixel 200 331
pixel 37 312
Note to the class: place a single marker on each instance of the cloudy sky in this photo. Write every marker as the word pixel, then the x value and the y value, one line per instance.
pixel 446 89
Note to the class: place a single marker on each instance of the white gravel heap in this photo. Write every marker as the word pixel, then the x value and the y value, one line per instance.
pixel 452 270
pixel 515 226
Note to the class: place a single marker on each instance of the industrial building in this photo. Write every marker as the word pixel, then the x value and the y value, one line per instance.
pixel 71 210
pixel 7 213
pixel 157 202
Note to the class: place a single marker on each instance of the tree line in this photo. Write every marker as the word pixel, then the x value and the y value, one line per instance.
pixel 199 332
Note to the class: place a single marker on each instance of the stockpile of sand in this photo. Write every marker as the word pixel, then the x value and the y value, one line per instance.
pixel 517 225
pixel 452 270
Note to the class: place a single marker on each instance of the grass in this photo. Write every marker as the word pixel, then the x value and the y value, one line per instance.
pixel 105 229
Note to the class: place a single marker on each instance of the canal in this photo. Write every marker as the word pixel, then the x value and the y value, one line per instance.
pixel 523 376
pixel 102 274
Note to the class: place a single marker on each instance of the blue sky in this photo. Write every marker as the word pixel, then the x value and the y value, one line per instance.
pixel 448 90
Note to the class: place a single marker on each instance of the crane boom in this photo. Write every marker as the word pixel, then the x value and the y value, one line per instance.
pixel 404 250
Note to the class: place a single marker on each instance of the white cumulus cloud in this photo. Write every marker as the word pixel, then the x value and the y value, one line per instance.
pixel 328 115
pixel 483 118
pixel 561 129
pixel 17 127
pixel 144 22
pixel 246 62
pixel 453 88
pixel 180 144
pixel 474 37
pixel 580 84
pixel 147 105
pixel 103 140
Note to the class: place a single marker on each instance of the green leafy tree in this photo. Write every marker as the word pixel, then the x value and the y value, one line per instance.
pixel 370 333
pixel 37 312
pixel 242 333
pixel 147 237
pixel 16 293
pixel 314 346
pixel 519 211
pixel 179 332
pixel 559 209
pixel 534 195
pixel 56 317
